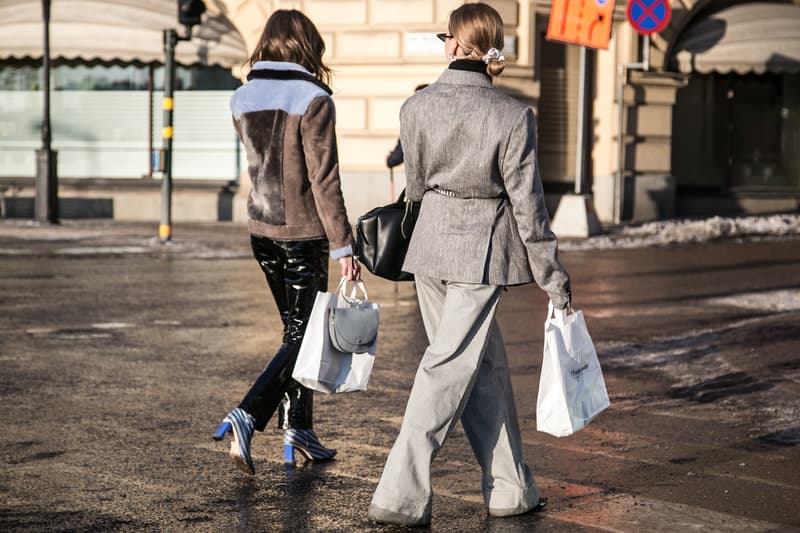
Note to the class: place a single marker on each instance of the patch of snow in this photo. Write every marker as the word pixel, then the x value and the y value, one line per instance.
pixel 778 301
pixel 700 360
pixel 668 232
pixel 112 325
pixel 102 250
pixel 16 251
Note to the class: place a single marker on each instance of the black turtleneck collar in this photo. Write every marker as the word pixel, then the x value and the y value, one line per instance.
pixel 471 65
pixel 273 74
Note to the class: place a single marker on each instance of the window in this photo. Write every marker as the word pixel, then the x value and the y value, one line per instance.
pixel 738 131
pixel 87 77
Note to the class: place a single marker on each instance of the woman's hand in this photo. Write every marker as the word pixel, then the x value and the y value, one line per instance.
pixel 350 268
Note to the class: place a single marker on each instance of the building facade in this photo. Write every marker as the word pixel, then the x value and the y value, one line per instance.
pixel 710 125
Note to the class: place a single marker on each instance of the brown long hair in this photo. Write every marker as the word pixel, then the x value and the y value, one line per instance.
pixel 478 28
pixel 289 35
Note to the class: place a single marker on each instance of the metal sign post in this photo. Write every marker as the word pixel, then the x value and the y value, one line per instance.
pixel 622 74
pixel 189 14
pixel 646 17
pixel 165 228
pixel 46 200
pixel 391 184
pixel 582 146
pixel 586 23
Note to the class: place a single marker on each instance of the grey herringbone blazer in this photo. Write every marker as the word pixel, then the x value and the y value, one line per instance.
pixel 464 137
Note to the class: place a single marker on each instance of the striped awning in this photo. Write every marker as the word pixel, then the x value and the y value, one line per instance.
pixel 754 37
pixel 119 31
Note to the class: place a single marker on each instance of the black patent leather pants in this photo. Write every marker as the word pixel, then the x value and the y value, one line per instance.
pixel 295 271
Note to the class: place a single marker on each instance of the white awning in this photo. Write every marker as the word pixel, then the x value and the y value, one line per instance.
pixel 115 31
pixel 756 37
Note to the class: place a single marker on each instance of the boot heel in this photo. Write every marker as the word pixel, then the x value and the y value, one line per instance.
pixel 307 443
pixel 288 454
pixel 222 430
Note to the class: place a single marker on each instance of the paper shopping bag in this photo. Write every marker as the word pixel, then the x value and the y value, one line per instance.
pixel 322 367
pixel 571 387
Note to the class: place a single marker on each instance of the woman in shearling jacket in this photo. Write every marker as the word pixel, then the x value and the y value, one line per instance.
pixel 285 118
pixel 470 156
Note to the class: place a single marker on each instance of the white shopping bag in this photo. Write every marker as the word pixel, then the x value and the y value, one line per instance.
pixel 571 387
pixel 319 365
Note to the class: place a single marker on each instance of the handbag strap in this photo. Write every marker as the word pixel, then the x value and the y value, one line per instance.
pixel 352 299
pixel 407 224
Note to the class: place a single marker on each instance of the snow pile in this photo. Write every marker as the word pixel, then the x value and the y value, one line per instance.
pixel 667 232
pixel 777 301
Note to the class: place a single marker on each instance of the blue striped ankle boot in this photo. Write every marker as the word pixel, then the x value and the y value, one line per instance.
pixel 306 442
pixel 242 425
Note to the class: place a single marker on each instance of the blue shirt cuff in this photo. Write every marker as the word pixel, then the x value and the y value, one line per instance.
pixel 342 252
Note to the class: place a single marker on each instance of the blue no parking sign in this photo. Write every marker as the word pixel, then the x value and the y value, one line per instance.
pixel 649 16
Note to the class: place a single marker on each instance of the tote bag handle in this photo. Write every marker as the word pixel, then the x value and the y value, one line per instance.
pixel 352 299
pixel 559 316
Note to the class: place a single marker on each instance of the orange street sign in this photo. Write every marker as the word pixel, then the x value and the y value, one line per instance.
pixel 584 22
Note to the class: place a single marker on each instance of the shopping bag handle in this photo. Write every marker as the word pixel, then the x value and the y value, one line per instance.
pixel 352 299
pixel 560 314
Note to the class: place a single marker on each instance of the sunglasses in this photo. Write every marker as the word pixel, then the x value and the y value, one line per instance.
pixel 443 37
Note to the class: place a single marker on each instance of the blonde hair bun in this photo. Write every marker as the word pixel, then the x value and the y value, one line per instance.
pixel 495 61
pixel 478 29
pixel 495 67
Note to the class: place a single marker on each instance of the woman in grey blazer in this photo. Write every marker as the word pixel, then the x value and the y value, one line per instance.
pixel 470 157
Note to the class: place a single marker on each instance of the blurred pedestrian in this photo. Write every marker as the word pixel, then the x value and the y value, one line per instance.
pixel 395 157
pixel 284 117
pixel 470 156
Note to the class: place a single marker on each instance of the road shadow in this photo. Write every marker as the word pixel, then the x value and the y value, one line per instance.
pixel 724 386
pixel 783 437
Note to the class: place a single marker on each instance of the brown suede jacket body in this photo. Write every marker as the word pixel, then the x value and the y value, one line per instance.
pixel 286 122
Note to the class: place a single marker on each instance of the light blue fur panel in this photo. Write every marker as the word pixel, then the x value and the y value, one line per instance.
pixel 292 96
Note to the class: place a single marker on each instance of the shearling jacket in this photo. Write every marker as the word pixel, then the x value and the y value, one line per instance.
pixel 285 119
pixel 487 223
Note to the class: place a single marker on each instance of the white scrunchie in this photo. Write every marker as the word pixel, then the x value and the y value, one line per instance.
pixel 495 54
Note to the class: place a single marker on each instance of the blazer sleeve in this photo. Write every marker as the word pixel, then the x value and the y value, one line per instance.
pixel 524 187
pixel 415 181
pixel 318 134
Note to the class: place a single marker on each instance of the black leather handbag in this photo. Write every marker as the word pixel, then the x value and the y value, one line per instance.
pixel 382 237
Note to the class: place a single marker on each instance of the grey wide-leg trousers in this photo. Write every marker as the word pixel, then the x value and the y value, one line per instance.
pixel 463 374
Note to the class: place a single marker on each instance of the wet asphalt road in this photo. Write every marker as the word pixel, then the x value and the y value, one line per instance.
pixel 119 356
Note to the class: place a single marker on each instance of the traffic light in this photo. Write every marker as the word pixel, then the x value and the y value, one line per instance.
pixel 190 12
